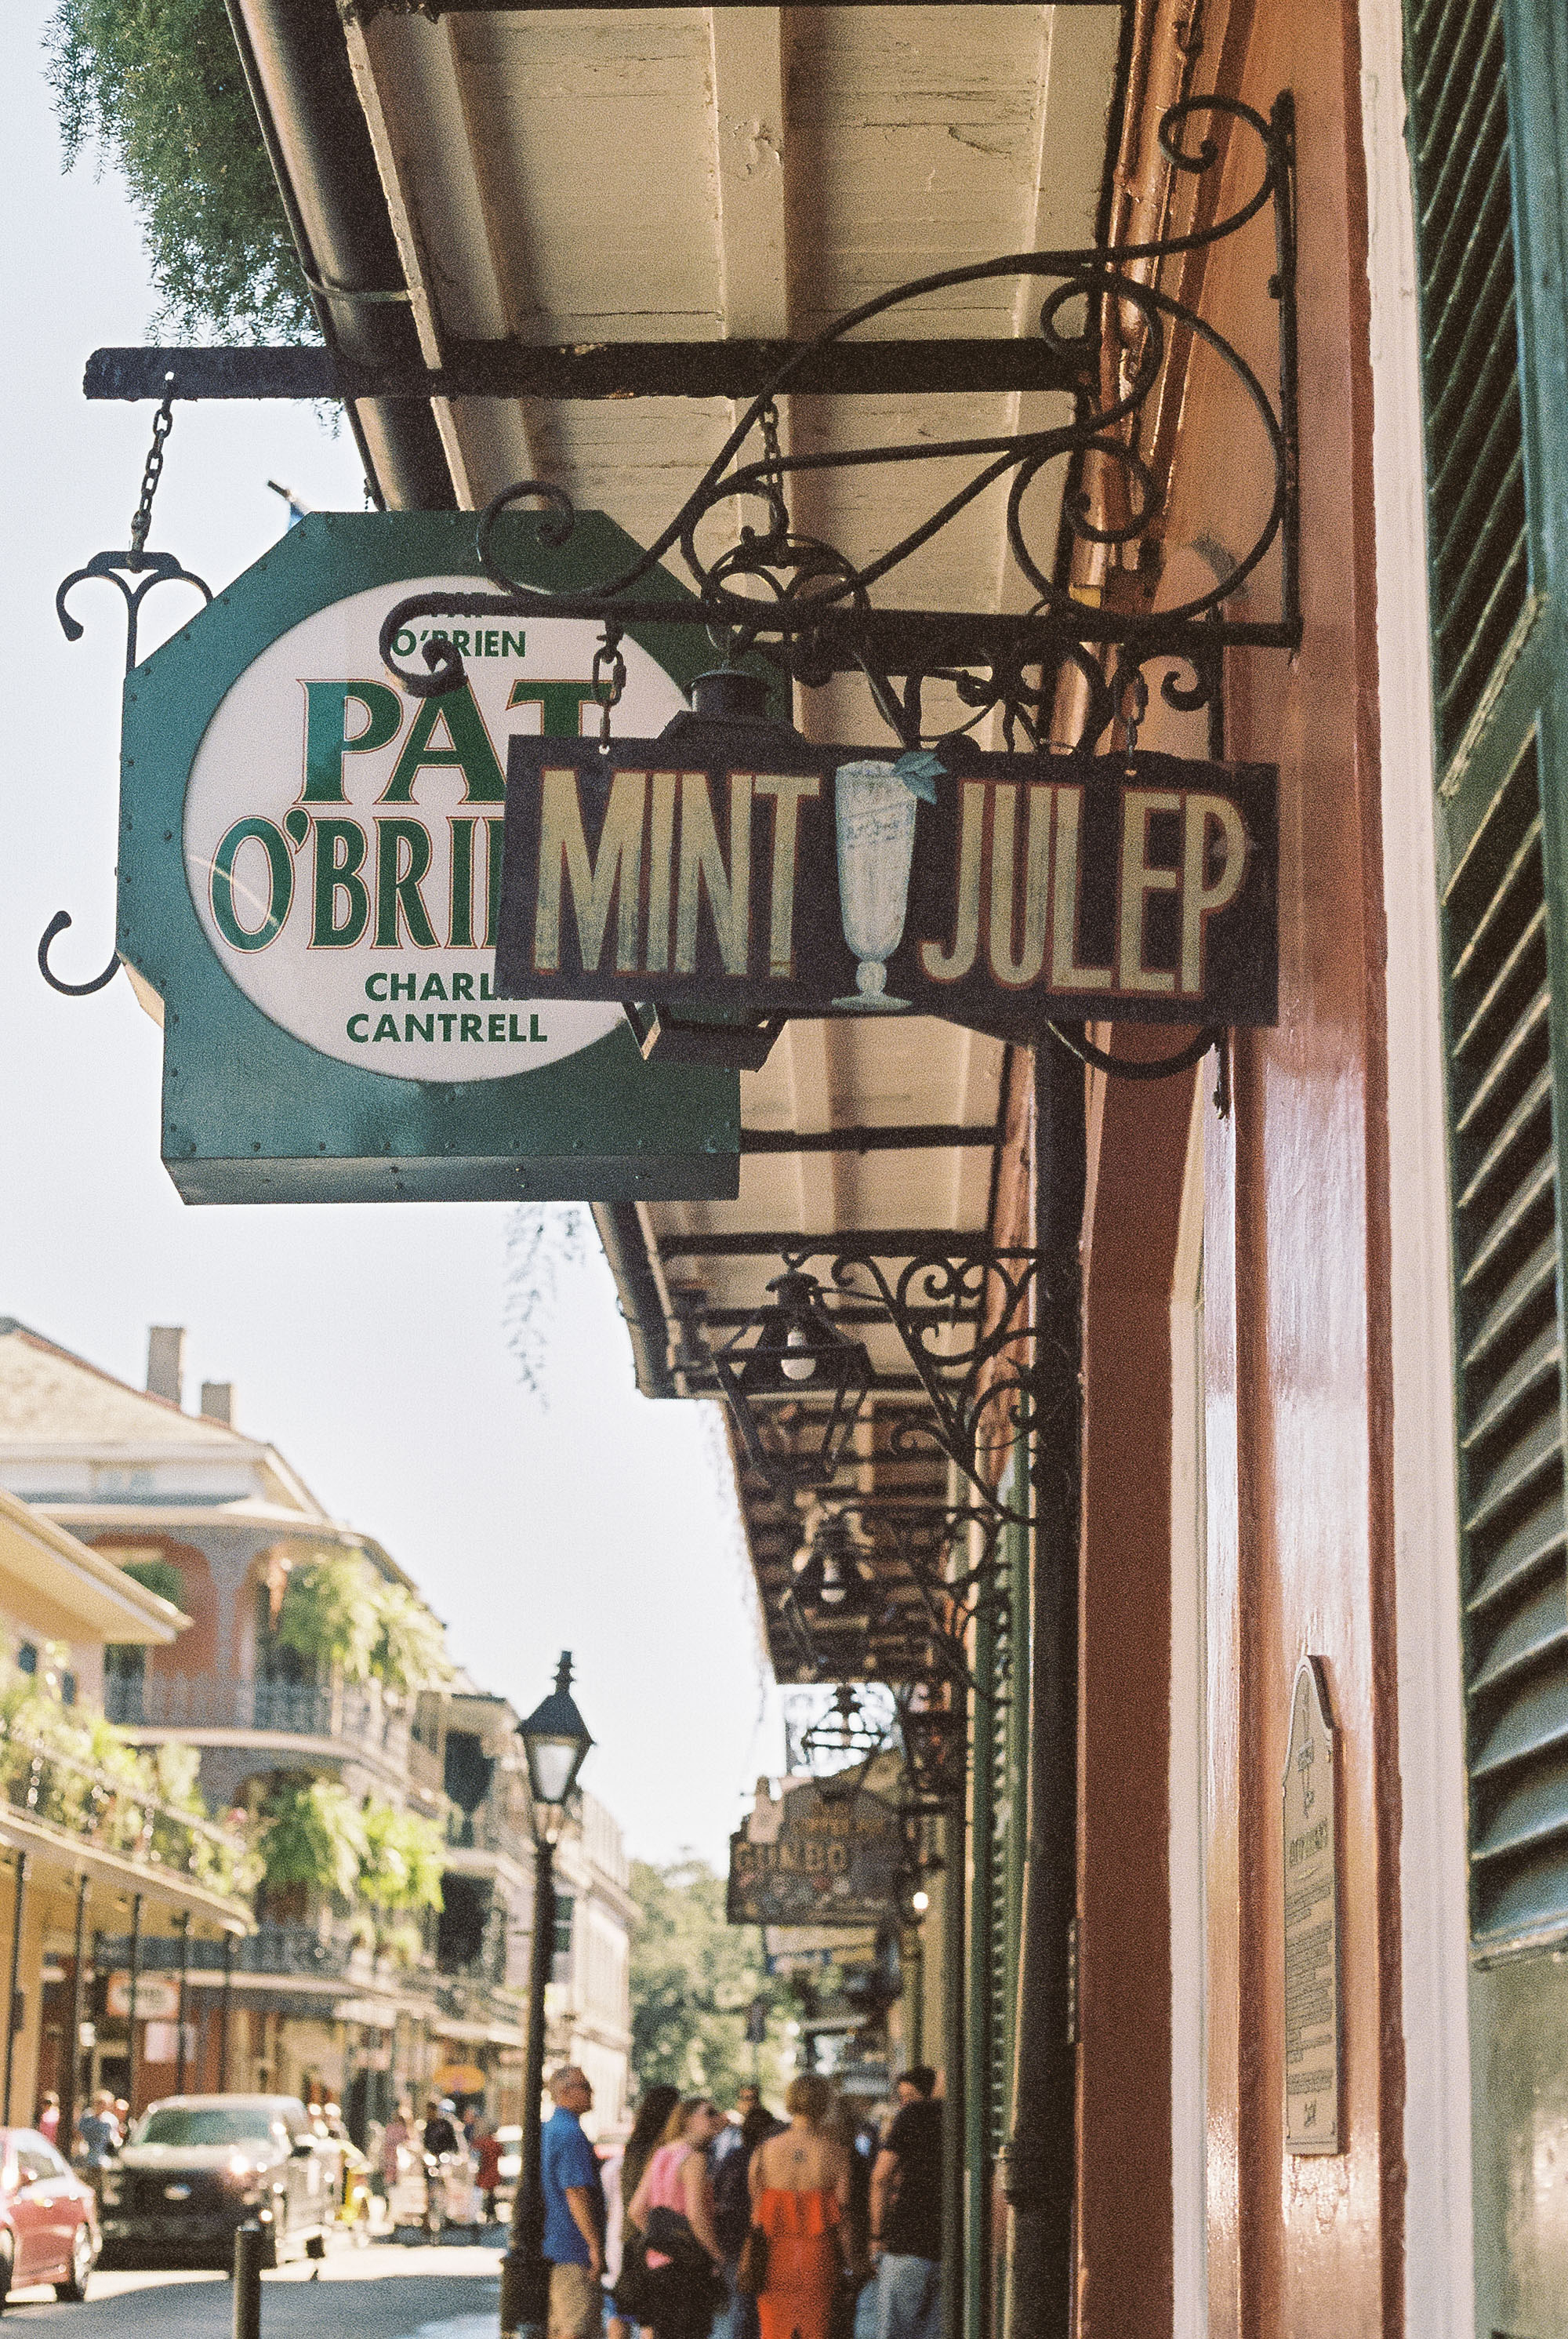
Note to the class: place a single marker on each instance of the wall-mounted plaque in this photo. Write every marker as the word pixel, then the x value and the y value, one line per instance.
pixel 1311 1921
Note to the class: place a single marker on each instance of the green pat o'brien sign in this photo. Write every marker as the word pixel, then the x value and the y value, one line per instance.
pixel 309 885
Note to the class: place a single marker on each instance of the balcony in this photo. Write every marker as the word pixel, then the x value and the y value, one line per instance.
pixel 66 1796
pixel 295 1709
pixel 472 1997
pixel 271 1950
pixel 485 1831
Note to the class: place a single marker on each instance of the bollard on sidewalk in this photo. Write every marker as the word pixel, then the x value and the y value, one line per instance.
pixel 248 2239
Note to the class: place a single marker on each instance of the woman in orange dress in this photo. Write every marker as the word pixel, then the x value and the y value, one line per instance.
pixel 800 2190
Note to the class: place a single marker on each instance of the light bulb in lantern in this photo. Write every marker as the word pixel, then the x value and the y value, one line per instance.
pixel 797 1367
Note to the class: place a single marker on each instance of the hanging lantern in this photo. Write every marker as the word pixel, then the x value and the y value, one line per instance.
pixel 794 1350
pixel 832 1582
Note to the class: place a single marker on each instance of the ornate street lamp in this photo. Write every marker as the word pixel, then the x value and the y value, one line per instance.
pixel 556 1743
pixel 794 1350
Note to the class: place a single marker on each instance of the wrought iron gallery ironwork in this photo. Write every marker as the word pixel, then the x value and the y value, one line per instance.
pixel 962 1308
pixel 806 607
pixel 925 1574
pixel 135 573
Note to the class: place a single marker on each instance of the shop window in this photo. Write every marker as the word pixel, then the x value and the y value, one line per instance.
pixel 566 1909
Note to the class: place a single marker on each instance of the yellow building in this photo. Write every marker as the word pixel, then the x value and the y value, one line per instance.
pixel 83 1849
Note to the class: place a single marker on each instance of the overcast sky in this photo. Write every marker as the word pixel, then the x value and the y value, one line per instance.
pixel 368 1343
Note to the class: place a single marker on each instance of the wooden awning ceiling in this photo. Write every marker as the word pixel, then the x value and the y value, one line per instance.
pixel 679 173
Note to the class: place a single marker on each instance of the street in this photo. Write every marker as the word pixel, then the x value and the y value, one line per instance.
pixel 385 2292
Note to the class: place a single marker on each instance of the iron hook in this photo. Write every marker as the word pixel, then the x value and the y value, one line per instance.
pixel 57 925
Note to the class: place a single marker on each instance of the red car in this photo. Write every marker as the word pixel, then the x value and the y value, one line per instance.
pixel 48 2219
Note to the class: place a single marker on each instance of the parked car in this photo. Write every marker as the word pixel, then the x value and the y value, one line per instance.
pixel 48 2219
pixel 194 2167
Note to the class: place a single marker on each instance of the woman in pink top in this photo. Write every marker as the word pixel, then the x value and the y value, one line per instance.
pixel 681 2293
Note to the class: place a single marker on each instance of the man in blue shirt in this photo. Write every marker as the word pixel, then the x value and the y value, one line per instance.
pixel 573 2210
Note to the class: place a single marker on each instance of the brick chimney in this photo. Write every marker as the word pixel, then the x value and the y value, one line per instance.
pixel 167 1362
pixel 218 1402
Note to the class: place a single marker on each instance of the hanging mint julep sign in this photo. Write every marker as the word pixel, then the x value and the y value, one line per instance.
pixel 310 879
pixel 733 865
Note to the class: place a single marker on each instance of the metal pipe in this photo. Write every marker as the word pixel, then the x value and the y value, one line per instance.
pixel 525 2279
pixel 953 2045
pixel 296 64
pixel 184 1924
pixel 68 2076
pixel 131 2022
pixel 19 1872
pixel 225 2007
pixel 1037 2166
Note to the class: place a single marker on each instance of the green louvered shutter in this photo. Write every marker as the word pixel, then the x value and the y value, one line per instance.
pixel 1485 82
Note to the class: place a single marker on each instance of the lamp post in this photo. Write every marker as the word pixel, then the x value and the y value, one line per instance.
pixel 556 1744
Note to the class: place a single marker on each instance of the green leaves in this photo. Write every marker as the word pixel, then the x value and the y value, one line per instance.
pixel 404 1856
pixel 159 1576
pixel 156 87
pixel 312 1836
pixel 316 1838
pixel 336 1610
pixel 693 1976
pixel 328 1613
pixel 410 1652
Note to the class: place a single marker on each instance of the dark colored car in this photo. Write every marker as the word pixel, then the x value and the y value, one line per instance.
pixel 196 2166
pixel 48 2219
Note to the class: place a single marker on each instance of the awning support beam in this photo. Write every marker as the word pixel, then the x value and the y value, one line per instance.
pixel 589 370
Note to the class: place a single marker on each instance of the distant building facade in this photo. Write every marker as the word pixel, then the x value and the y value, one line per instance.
pixel 83 1853
pixel 323 2005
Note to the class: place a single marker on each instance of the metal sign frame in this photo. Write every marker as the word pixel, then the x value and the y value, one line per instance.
pixel 251 1113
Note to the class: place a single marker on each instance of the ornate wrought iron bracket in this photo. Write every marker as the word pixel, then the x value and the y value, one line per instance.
pixel 963 1310
pixel 919 1577
pixel 134 574
pixel 807 608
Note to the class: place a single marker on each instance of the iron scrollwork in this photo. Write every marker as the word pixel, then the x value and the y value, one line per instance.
pixel 805 606
pixel 964 1311
pixel 134 574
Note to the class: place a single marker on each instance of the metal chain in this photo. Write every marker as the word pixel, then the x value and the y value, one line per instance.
pixel 772 460
pixel 162 423
pixel 1131 723
pixel 609 680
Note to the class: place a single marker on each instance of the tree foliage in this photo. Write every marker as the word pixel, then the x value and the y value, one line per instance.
pixel 545 1240
pixel 409 1652
pixel 73 1770
pixel 693 1980
pixel 159 1576
pixel 337 1610
pixel 313 1837
pixel 155 88
pixel 404 1857
pixel 385 1864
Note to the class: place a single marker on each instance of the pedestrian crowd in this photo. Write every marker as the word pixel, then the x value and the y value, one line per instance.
pixel 708 2224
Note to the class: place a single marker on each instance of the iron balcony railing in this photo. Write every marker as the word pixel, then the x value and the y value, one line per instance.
pixel 299 1709
pixel 73 1799
pixel 271 1950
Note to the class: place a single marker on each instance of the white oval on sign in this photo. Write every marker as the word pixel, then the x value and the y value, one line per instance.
pixel 342 842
